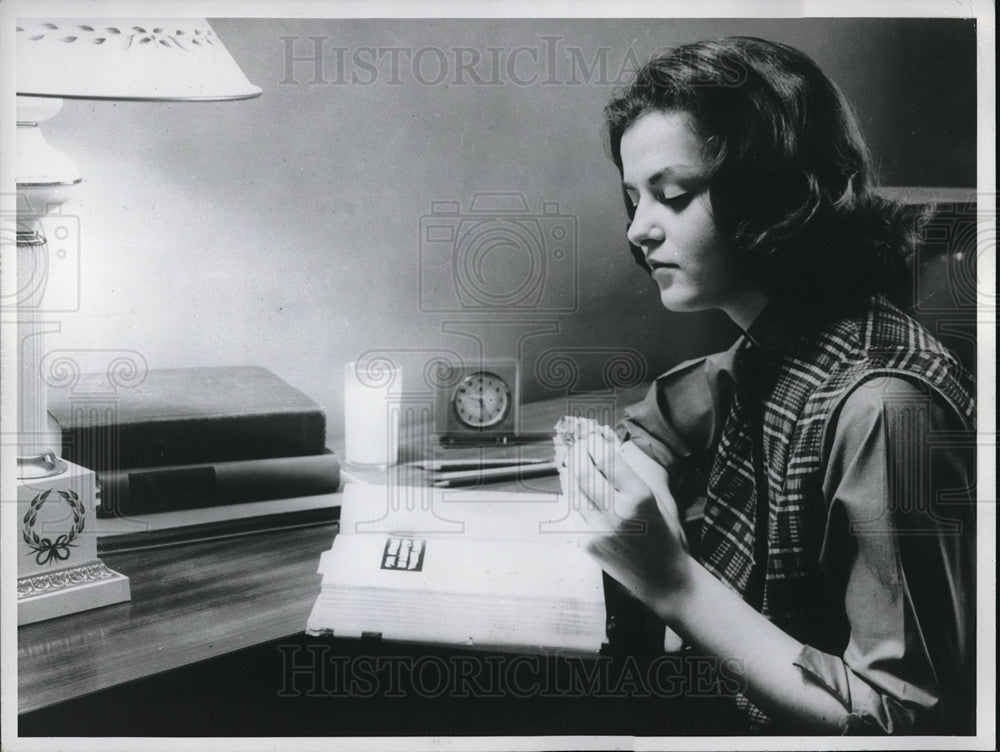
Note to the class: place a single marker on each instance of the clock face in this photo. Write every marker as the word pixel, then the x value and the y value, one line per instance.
pixel 481 400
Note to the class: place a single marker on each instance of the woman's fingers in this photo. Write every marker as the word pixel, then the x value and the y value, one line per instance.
pixel 606 508
pixel 593 497
pixel 591 479
pixel 656 478
pixel 609 456
pixel 601 485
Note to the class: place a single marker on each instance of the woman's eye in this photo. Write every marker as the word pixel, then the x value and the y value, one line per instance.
pixel 678 201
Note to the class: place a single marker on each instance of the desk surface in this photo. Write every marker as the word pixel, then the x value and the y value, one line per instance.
pixel 197 601
pixel 189 602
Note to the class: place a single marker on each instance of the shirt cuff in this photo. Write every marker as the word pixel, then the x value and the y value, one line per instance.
pixel 869 711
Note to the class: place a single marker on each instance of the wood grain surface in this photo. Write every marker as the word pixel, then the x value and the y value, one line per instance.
pixel 189 603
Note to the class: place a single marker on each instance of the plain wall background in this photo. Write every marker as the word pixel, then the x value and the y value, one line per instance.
pixel 285 231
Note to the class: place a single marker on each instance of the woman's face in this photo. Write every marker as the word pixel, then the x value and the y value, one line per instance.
pixel 663 173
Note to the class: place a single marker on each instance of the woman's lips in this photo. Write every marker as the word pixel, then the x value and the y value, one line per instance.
pixel 662 268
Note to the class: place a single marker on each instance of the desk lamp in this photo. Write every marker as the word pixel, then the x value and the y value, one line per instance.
pixel 154 60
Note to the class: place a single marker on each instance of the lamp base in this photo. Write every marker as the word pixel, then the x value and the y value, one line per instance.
pixel 69 591
pixel 58 569
pixel 45 465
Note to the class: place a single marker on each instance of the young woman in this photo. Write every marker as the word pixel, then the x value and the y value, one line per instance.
pixel 835 562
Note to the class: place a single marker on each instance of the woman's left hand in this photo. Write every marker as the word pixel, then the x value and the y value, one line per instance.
pixel 637 539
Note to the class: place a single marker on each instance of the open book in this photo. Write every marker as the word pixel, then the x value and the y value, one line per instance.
pixel 484 569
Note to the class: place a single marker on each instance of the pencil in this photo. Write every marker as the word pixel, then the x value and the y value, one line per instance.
pixel 475 463
pixel 495 474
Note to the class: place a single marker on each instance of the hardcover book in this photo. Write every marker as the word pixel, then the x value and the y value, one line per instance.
pixel 135 532
pixel 178 487
pixel 187 416
pixel 491 570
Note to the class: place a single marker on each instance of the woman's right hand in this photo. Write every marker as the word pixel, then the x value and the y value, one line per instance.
pixel 636 533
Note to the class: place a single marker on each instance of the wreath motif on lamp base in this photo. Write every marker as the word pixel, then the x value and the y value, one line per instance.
pixel 49 550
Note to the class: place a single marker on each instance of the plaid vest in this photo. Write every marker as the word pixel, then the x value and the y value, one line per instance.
pixel 773 441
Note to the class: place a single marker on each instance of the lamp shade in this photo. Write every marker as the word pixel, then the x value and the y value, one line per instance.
pixel 135 59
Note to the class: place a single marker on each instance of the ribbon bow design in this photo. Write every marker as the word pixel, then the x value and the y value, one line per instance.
pixel 47 550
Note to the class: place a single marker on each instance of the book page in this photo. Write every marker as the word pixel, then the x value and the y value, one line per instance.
pixel 538 517
pixel 463 565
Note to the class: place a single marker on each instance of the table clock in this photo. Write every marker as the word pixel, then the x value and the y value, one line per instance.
pixel 478 402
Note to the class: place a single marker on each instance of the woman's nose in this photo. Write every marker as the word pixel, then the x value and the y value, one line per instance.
pixel 644 231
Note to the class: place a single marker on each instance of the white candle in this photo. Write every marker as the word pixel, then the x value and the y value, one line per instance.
pixel 371 412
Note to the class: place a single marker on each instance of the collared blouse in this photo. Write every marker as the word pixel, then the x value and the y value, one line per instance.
pixel 898 542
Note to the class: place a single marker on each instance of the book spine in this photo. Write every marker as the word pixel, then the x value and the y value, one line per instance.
pixel 197 440
pixel 171 489
pixel 145 533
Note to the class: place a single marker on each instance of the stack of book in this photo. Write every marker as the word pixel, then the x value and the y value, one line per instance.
pixel 199 452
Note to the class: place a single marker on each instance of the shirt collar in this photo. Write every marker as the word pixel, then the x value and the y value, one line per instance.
pixel 771 330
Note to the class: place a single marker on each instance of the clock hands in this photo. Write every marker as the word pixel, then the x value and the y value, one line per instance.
pixel 481 401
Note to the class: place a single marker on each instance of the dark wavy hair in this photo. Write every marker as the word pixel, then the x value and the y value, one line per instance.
pixel 789 174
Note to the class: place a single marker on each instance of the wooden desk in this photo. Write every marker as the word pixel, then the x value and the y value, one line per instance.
pixel 189 602
pixel 198 602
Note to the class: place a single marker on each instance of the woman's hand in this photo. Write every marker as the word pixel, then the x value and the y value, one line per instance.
pixel 636 532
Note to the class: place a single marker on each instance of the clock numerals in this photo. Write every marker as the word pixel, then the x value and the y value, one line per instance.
pixel 478 405
pixel 481 400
